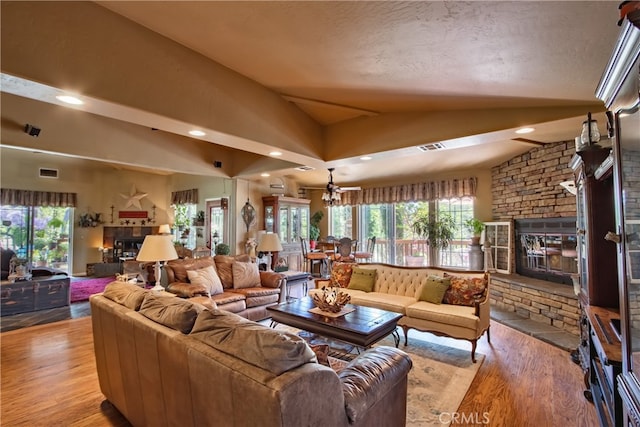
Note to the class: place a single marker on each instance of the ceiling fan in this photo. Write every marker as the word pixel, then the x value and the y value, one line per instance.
pixel 332 191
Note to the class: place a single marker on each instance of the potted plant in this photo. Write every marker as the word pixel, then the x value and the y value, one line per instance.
pixel 222 249
pixel 314 228
pixel 475 226
pixel 438 232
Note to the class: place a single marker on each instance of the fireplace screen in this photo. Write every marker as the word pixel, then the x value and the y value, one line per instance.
pixel 547 249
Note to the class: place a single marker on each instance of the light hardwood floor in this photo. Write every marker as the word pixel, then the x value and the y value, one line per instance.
pixel 49 378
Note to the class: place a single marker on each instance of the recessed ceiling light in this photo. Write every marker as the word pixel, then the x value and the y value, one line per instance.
pixel 70 99
pixel 196 132
pixel 275 153
pixel 365 158
pixel 525 130
pixel 265 174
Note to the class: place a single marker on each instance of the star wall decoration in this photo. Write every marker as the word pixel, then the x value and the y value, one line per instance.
pixel 133 198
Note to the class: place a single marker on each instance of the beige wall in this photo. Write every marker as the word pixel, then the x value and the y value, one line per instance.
pixel 99 187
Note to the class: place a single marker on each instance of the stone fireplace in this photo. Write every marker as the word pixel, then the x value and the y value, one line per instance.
pixel 546 249
pixel 526 190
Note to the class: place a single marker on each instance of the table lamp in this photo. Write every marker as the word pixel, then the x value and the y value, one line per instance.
pixel 269 242
pixel 164 229
pixel 156 248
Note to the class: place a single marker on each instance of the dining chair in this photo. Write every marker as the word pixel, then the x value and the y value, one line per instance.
pixel 312 258
pixel 367 254
pixel 344 250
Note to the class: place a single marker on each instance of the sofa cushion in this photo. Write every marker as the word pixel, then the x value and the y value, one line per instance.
pixel 448 314
pixel 362 279
pixel 395 303
pixel 341 274
pixel 187 290
pixel 127 294
pixel 208 278
pixel 434 289
pixel 245 275
pixel 205 301
pixel 259 345
pixel 172 312
pixel 257 292
pixel 464 290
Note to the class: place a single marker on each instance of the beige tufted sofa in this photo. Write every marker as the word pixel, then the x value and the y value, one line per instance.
pixel 165 361
pixel 397 289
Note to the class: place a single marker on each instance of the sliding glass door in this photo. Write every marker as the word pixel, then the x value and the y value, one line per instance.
pixel 41 235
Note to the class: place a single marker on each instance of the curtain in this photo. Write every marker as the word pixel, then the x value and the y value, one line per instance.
pixel 9 196
pixel 184 197
pixel 419 192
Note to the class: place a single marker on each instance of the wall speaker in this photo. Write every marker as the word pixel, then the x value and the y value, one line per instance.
pixel 32 130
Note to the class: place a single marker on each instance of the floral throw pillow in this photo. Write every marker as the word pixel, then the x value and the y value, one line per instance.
pixel 464 290
pixel 341 274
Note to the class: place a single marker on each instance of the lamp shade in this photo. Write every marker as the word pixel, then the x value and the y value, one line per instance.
pixel 157 247
pixel 164 229
pixel 269 242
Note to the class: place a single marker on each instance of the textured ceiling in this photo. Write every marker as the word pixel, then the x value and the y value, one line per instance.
pixel 343 61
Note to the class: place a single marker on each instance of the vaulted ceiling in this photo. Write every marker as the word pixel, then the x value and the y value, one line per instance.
pixel 324 83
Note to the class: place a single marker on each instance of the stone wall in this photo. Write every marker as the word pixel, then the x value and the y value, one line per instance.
pixel 548 304
pixel 528 186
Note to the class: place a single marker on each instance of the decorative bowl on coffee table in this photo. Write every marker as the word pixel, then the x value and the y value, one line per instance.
pixel 331 299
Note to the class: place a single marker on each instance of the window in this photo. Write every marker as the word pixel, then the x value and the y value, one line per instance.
pixel 397 244
pixel 457 253
pixel 340 221
pixel 39 234
pixel 183 214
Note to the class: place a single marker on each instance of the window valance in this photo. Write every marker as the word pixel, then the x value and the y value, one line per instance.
pixel 418 192
pixel 10 196
pixel 184 197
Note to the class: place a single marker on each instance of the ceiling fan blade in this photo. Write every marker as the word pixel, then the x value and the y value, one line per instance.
pixel 350 188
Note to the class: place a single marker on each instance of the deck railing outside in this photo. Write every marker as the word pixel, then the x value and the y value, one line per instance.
pixel 408 251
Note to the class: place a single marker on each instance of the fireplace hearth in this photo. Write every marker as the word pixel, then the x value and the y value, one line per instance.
pixel 546 249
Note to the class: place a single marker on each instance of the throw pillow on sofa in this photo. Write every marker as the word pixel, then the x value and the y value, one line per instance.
pixel 434 288
pixel 464 290
pixel 362 279
pixel 127 294
pixel 245 275
pixel 341 274
pixel 224 267
pixel 269 349
pixel 208 278
pixel 172 312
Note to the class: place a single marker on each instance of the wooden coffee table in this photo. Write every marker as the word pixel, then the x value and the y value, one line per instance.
pixel 363 327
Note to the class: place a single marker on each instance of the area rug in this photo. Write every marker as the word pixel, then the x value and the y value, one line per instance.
pixel 438 381
pixel 82 289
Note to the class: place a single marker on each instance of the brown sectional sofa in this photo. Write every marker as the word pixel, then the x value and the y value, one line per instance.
pixel 166 361
pixel 250 302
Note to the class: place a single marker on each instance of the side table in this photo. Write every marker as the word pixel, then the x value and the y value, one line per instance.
pixel 296 279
